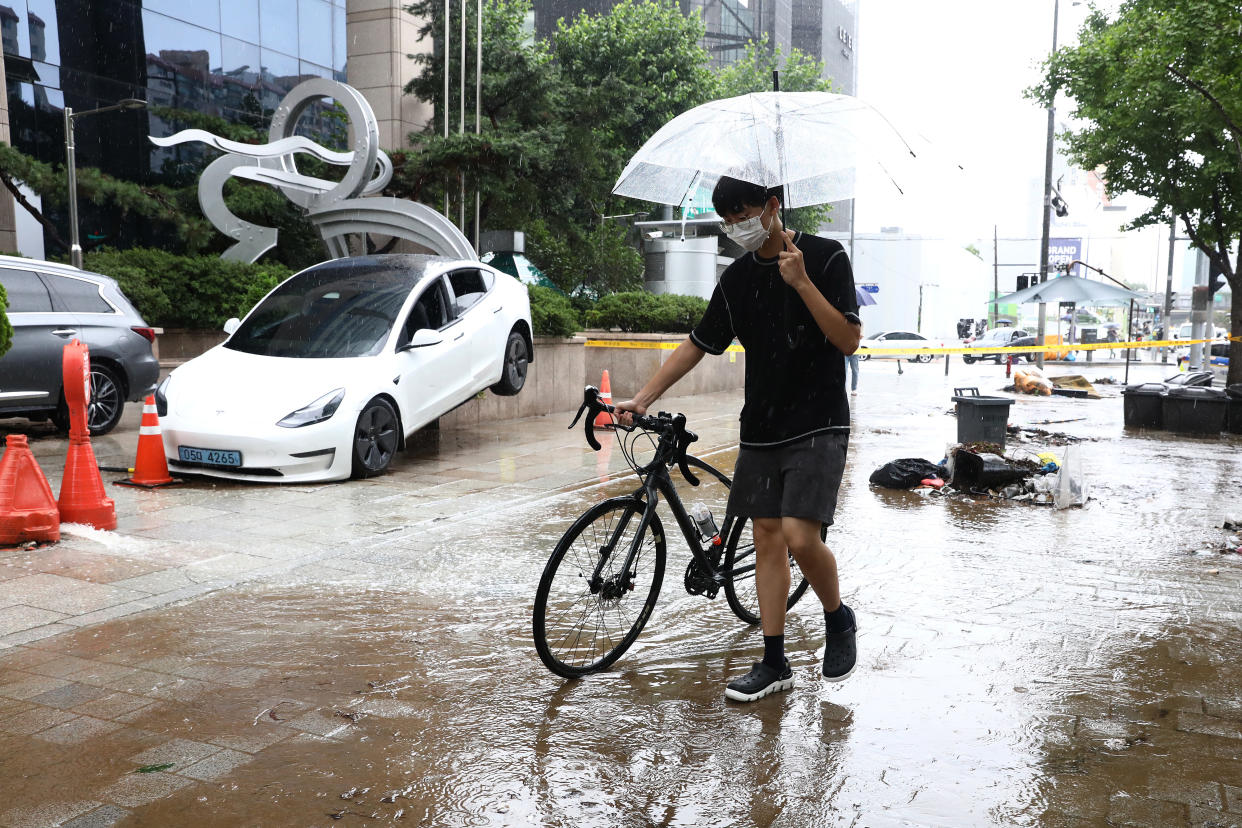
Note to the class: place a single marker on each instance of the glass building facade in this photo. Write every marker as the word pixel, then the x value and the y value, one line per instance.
pixel 233 59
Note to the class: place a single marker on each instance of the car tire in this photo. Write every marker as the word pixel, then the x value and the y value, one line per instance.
pixel 514 365
pixel 968 359
pixel 106 406
pixel 864 357
pixel 1032 357
pixel 376 437
pixel 925 358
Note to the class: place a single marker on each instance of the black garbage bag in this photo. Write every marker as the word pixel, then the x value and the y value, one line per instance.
pixel 979 472
pixel 905 473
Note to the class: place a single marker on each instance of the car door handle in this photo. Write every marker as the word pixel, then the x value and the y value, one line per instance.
pixel 459 336
pixel 65 332
pixel 498 309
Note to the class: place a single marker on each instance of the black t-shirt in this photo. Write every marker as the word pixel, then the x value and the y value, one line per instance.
pixel 795 377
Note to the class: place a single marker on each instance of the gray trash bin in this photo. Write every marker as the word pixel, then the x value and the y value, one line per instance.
pixel 1195 410
pixel 981 419
pixel 1143 405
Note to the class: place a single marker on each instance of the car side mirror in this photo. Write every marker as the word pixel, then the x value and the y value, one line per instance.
pixel 231 326
pixel 422 338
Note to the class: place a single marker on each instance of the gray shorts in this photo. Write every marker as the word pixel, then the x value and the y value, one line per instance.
pixel 798 480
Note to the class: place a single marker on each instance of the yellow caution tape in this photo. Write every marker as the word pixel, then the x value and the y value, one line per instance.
pixel 651 346
pixel 1003 349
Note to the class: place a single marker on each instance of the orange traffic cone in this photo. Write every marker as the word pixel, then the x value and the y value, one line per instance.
pixel 150 467
pixel 27 509
pixel 603 419
pixel 82 498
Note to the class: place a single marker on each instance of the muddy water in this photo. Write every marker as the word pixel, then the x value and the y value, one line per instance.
pixel 1018 665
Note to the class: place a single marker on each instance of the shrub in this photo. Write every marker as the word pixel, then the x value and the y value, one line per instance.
pixel 186 291
pixel 551 312
pixel 6 329
pixel 642 312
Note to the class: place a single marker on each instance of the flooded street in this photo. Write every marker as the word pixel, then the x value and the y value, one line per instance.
pixel 1019 665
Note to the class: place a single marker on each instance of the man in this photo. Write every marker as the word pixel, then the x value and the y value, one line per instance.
pixel 790 302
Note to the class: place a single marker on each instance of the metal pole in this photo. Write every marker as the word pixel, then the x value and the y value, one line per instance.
pixel 995 277
pixel 1129 338
pixel 1168 291
pixel 1047 205
pixel 478 107
pixel 75 249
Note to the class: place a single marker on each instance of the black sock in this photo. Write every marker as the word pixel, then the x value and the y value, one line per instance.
pixel 839 620
pixel 774 652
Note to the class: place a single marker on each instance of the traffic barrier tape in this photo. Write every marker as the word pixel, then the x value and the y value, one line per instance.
pixel 1003 349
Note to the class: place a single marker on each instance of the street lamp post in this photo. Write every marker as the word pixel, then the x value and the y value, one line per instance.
pixel 1047 204
pixel 75 248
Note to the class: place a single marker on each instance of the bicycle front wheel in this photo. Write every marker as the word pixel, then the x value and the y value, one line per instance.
pixel 589 607
pixel 739 560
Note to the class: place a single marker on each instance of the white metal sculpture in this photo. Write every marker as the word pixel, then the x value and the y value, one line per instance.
pixel 336 208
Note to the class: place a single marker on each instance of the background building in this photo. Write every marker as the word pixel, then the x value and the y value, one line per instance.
pixel 233 59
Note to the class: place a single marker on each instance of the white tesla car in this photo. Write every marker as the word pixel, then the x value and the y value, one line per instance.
pixel 338 365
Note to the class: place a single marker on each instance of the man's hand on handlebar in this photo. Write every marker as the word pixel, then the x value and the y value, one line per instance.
pixel 626 410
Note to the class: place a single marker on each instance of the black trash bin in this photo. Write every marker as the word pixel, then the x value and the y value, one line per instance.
pixel 1195 410
pixel 981 419
pixel 1233 420
pixel 1144 405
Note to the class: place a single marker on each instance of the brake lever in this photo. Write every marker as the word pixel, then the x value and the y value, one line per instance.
pixel 590 401
pixel 588 425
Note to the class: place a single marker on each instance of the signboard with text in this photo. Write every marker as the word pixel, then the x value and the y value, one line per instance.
pixel 1061 252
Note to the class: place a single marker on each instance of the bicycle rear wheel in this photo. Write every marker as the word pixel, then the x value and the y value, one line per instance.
pixel 583 623
pixel 740 560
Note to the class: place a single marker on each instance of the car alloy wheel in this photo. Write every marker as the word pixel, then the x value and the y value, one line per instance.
pixel 375 438
pixel 925 358
pixel 515 366
pixel 106 405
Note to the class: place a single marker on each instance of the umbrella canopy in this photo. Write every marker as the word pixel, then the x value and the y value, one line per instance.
pixel 811 142
pixel 864 297
pixel 1071 289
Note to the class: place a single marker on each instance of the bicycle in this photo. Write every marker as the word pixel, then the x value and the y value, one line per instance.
pixel 608 567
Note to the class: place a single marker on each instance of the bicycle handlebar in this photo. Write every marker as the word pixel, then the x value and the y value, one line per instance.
pixel 667 425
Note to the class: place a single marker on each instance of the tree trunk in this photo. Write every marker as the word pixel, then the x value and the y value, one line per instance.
pixel 1235 329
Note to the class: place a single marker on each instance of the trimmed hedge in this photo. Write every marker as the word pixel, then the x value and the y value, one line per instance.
pixel 641 312
pixel 173 291
pixel 6 329
pixel 551 312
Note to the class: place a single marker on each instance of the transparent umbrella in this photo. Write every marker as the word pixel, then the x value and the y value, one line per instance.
pixel 813 143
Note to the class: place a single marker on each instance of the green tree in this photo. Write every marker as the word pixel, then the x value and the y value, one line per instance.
pixel 559 121
pixel 6 328
pixel 1159 90
pixel 515 159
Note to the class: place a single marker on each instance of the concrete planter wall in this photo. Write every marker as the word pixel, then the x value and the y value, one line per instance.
pixel 554 385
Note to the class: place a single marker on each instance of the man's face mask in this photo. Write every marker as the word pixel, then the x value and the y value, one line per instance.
pixel 749 234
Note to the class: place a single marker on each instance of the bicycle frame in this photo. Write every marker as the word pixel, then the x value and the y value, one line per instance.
pixel 657 481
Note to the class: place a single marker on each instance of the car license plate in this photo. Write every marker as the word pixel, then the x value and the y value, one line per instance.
pixel 211 457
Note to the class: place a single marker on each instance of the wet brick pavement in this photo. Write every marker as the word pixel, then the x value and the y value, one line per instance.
pixel 1128 646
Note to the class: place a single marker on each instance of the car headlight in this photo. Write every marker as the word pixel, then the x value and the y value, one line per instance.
pixel 316 412
pixel 161 396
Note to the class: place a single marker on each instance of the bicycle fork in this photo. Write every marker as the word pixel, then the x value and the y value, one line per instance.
pixel 616 585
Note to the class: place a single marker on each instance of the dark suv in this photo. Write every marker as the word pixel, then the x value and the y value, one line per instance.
pixel 51 304
pixel 1001 338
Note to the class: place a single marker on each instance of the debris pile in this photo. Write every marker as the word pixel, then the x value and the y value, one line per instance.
pixel 984 469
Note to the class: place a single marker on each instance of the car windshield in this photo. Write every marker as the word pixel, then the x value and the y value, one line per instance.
pixel 332 311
